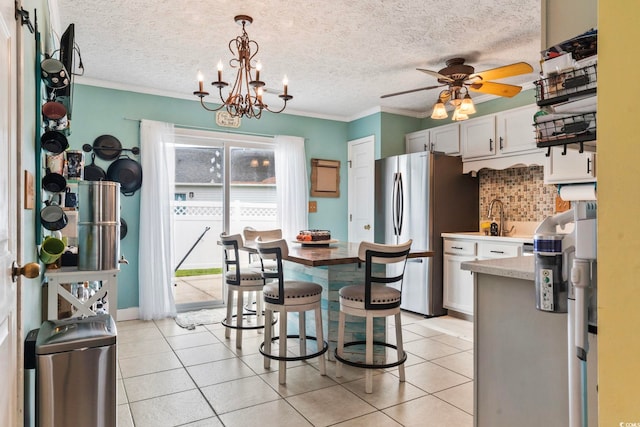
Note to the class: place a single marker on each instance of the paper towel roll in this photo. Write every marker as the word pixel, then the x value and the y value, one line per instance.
pixel 577 192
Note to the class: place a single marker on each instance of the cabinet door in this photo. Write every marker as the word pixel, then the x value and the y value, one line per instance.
pixel 478 137
pixel 515 130
pixel 446 139
pixel 569 168
pixel 417 141
pixel 458 284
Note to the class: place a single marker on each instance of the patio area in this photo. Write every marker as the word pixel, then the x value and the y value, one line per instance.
pixel 198 290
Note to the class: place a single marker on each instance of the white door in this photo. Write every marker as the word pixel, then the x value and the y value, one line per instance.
pixel 361 189
pixel 9 392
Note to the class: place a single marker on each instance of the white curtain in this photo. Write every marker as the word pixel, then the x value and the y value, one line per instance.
pixel 292 184
pixel 155 270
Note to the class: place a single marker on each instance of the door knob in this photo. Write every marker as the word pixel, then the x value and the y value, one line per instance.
pixel 367 227
pixel 30 271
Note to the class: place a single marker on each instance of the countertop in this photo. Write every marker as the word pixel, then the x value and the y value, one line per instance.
pixel 478 235
pixel 521 267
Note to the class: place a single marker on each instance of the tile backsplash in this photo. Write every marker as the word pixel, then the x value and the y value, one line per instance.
pixel 521 190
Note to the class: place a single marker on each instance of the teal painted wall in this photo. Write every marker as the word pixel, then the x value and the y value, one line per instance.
pixel 366 126
pixel 394 127
pixel 98 111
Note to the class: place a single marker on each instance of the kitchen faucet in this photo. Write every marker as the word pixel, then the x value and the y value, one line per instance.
pixel 501 231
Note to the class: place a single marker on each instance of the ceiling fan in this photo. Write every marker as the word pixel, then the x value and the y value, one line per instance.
pixel 460 78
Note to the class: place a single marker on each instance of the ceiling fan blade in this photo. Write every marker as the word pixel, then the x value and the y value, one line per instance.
pixel 410 91
pixel 492 88
pixel 436 75
pixel 505 71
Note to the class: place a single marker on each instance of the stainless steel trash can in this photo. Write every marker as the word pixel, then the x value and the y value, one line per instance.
pixel 76 372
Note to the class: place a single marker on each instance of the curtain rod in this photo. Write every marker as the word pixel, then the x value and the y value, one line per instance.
pixel 210 129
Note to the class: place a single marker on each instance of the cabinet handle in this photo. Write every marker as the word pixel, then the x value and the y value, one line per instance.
pixel 490 144
pixel 457 247
pixel 501 146
pixel 425 147
pixel 588 165
pixel 497 252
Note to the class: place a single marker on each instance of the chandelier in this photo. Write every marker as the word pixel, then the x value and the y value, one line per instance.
pixel 462 105
pixel 245 97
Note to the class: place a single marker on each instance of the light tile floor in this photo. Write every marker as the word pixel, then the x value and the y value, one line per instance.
pixel 169 376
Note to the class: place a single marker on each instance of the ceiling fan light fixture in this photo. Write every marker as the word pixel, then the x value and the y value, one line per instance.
pixel 466 106
pixel 458 115
pixel 439 111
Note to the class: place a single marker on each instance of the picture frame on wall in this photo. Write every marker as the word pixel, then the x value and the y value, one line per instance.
pixel 325 178
pixel 75 164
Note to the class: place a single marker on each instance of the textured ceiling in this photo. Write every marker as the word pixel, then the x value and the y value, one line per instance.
pixel 340 56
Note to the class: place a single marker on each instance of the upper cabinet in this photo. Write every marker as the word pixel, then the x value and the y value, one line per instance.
pixel 478 137
pixel 443 139
pixel 503 134
pixel 446 139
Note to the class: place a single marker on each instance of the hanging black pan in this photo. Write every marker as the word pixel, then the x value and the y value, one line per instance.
pixel 123 228
pixel 128 173
pixel 107 147
pixel 93 172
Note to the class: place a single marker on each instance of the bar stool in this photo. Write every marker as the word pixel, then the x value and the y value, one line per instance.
pixel 374 299
pixel 289 297
pixel 250 234
pixel 238 283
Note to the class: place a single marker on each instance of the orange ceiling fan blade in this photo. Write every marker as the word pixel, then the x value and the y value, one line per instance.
pixel 505 71
pixel 492 88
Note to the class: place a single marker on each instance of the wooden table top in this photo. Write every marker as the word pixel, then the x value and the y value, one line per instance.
pixel 333 254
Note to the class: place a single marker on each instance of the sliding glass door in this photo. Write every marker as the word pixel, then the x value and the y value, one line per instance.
pixel 223 183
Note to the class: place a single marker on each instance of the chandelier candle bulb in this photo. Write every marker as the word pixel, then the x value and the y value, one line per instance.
pixel 220 70
pixel 200 82
pixel 258 68
pixel 285 83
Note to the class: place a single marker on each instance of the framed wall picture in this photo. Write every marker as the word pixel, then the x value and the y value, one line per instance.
pixel 75 164
pixel 325 178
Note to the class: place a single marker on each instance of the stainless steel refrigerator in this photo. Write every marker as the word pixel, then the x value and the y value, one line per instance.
pixel 419 196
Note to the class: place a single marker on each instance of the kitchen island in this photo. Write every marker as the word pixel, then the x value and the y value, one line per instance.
pixel 333 266
pixel 520 353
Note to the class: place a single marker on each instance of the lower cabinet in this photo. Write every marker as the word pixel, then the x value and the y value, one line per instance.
pixel 457 283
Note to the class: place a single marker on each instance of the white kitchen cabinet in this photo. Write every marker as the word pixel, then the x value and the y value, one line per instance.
pixel 458 284
pixel 515 131
pixel 446 139
pixel 506 133
pixel 478 137
pixel 458 289
pixel 417 141
pixel 572 167
pixel 443 139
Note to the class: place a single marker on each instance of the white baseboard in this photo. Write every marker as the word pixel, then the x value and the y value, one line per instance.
pixel 131 313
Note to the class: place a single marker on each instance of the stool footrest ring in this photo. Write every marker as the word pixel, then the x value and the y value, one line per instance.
pixel 325 347
pixel 232 326
pixel 371 366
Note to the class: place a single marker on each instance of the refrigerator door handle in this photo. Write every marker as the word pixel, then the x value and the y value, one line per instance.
pixel 400 204
pixel 394 203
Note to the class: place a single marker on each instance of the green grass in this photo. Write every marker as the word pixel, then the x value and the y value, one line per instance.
pixel 198 272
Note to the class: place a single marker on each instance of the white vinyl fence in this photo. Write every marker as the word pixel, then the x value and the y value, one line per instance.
pixel 190 219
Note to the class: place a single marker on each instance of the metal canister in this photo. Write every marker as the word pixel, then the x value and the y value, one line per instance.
pixel 98 225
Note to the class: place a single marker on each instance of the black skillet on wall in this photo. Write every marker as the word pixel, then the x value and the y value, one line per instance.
pixel 128 173
pixel 93 172
pixel 107 147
